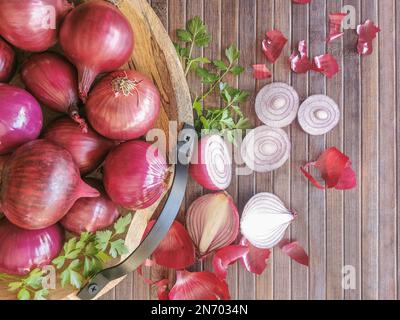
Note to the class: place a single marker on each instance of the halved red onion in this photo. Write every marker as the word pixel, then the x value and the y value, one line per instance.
pixel 199 286
pixel 21 118
pixel 176 250
pixel 212 222
pixel 211 163
pixel 277 105
pixel 91 214
pixel 23 250
pixel 88 149
pixel 124 105
pixel 53 81
pixel 318 115
pixel 265 220
pixel 265 149
pixel 30 24
pixel 135 175
pixel 7 61
pixel 40 184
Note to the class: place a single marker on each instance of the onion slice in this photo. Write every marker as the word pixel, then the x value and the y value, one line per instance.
pixel 265 220
pixel 277 105
pixel 255 260
pixel 318 115
pixel 225 257
pixel 366 34
pixel 335 26
pixel 326 64
pixel 335 169
pixel 273 44
pixel 199 286
pixel 295 251
pixel 266 149
pixel 211 165
pixel 212 222
pixel 299 61
pixel 176 241
pixel 261 72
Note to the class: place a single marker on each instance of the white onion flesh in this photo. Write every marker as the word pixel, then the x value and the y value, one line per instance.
pixel 266 149
pixel 318 115
pixel 265 220
pixel 277 105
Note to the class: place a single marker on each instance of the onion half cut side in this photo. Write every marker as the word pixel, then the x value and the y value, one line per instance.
pixel 211 165
pixel 277 105
pixel 266 149
pixel 265 220
pixel 319 115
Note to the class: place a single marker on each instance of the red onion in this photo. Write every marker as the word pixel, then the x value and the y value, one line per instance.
pixel 91 214
pixel 211 163
pixel 135 175
pixel 7 61
pixel 123 106
pixel 31 25
pixel 97 38
pixel 212 222
pixel 21 118
pixel 199 286
pixel 176 240
pixel 87 149
pixel 52 80
pixel 41 182
pixel 23 250
pixel 266 149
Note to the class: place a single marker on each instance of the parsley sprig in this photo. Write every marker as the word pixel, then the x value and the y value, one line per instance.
pixel 229 117
pixel 81 258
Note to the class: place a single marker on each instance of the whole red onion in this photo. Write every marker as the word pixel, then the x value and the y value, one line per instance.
pixel 32 25
pixel 23 250
pixel 123 106
pixel 7 61
pixel 40 184
pixel 21 118
pixel 87 149
pixel 91 214
pixel 97 38
pixel 135 175
pixel 53 81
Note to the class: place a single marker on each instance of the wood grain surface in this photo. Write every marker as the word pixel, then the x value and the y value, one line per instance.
pixel 357 228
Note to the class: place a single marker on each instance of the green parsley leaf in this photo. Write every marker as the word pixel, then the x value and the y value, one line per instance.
pixel 122 223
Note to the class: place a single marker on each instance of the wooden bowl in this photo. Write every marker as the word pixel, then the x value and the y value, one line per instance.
pixel 155 56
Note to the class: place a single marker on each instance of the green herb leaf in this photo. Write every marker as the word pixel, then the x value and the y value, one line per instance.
pixel 118 248
pixel 232 54
pixel 220 65
pixel 184 35
pixel 237 70
pixel 41 294
pixel 13 286
pixel 24 294
pixel 103 239
pixel 122 223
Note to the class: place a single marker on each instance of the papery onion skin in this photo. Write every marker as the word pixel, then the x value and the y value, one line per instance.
pixel 201 227
pixel 211 163
pixel 40 184
pixel 96 37
pixel 135 175
pixel 53 81
pixel 91 214
pixel 176 250
pixel 26 24
pixel 3 160
pixel 7 61
pixel 199 286
pixel 21 118
pixel 23 250
pixel 87 149
pixel 124 105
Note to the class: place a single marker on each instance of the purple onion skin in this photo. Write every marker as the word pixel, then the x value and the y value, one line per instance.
pixel 3 160
pixel 41 182
pixel 87 149
pixel 23 250
pixel 133 179
pixel 91 214
pixel 21 118
pixel 22 22
pixel 7 61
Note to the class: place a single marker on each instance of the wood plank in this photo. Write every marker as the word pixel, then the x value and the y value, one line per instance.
pixel 370 163
pixel 352 138
pixel 398 136
pixel 299 185
pixel 317 204
pixel 265 21
pixel 229 35
pixel 387 150
pixel 247 40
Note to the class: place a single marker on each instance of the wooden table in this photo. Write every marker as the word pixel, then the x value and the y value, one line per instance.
pixel 355 228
